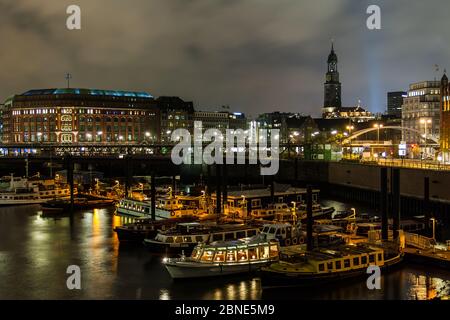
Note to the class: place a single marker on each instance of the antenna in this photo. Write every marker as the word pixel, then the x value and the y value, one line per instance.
pixel 68 77
pixel 436 70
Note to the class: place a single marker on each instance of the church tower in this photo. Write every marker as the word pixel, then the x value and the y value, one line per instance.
pixel 332 86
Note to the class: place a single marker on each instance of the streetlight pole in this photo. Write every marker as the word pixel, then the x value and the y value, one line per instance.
pixel 425 122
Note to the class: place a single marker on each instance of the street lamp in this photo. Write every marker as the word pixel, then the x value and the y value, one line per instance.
pixel 425 122
pixel 434 227
pixel 378 126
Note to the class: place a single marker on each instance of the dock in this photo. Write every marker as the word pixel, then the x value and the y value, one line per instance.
pixel 424 250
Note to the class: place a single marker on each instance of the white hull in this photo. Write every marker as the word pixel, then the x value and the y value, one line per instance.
pixel 12 199
pixel 21 202
pixel 179 269
pixel 159 214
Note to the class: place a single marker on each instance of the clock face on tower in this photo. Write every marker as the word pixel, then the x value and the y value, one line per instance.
pixel 332 67
pixel 328 77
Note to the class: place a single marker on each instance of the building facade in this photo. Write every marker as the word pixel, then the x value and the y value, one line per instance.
pixel 445 119
pixel 80 116
pixel 221 120
pixel 395 102
pixel 421 117
pixel 175 114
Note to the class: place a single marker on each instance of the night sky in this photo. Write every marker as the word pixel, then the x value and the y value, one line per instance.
pixel 254 55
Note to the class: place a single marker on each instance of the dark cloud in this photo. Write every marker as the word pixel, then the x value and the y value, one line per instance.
pixel 255 55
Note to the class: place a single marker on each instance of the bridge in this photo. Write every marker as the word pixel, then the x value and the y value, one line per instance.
pixel 368 130
pixel 105 150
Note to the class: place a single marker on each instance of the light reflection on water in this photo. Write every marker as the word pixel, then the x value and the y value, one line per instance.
pixel 35 252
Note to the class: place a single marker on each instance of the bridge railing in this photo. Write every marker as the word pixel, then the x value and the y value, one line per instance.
pixel 418 241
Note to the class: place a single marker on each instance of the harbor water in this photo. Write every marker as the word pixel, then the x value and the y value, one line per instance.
pixel 35 252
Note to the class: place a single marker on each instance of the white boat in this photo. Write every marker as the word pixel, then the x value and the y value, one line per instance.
pixel 23 191
pixel 224 258
pixel 166 207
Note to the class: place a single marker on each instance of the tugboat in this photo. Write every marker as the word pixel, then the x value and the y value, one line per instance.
pixel 324 265
pixel 185 236
pixel 224 258
pixel 271 211
pixel 317 210
pixel 146 228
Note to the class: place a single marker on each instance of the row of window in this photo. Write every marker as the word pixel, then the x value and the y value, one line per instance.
pixel 215 237
pixel 350 262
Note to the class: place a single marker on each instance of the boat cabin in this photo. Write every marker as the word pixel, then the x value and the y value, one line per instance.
pixel 244 250
pixel 344 258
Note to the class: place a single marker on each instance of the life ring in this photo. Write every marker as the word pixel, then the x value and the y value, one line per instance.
pixel 287 242
pixel 172 213
pixel 294 241
pixel 301 240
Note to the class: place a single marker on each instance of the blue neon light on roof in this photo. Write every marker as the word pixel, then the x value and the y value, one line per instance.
pixel 93 92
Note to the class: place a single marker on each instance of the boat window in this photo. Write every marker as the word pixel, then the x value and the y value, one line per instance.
pixel 207 255
pixel 251 233
pixel 198 239
pixel 242 255
pixel 231 255
pixel 264 252
pixel 273 251
pixel 272 230
pixel 356 261
pixel 265 229
pixel 256 203
pixel 178 239
pixel 240 234
pixel 321 267
pixel 229 236
pixel 347 263
pixel 218 237
pixel 380 257
pixel 364 260
pixel 169 240
pixel 278 231
pixel 253 253
pixel 338 265
pixel 330 265
pixel 187 239
pixel 195 254
pixel 371 258
pixel 220 256
pixel 283 231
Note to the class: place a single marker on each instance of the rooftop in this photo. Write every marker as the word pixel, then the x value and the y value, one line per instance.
pixel 92 92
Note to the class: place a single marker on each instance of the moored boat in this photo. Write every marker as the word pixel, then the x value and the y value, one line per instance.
pixel 145 228
pixel 79 203
pixel 300 268
pixel 224 258
pixel 23 191
pixel 185 236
